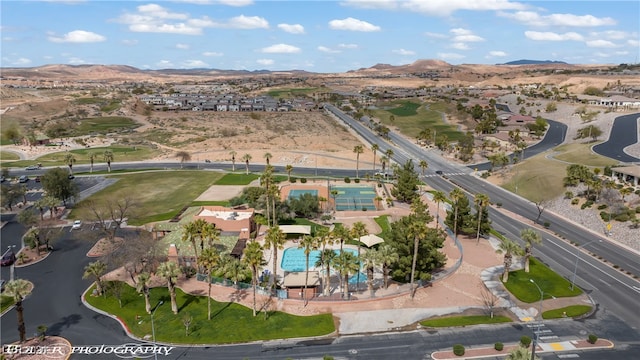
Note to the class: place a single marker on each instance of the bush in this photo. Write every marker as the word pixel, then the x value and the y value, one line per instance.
pixel 568 195
pixel 293 180
pixel 498 346
pixel 622 217
pixel 525 341
pixel 575 201
pixel 303 180
pixel 592 339
pixel 547 224
pixel 602 207
pixel 356 180
pixel 347 180
pixel 499 204
pixel 458 349
pixel 587 204
pixel 380 185
pixel 604 215
pixel 638 210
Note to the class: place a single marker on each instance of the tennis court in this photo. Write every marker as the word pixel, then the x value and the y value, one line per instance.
pixel 296 193
pixel 357 197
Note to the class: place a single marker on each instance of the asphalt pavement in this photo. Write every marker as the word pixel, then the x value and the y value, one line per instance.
pixel 624 132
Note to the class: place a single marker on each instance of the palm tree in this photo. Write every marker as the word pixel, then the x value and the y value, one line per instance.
pixel 383 161
pixel 438 197
pixel 169 271
pixel 69 159
pixel 308 243
pixel 233 160
pixel 326 261
pixel 267 157
pixel 481 201
pixel 95 269
pixel 19 289
pixel 289 169
pixel 267 180
pixel 275 239
pixel 423 166
pixel 358 149
pixel 358 230
pixel 209 259
pixel 510 249
pixel 246 158
pixel 530 237
pixel 92 157
pixel 418 230
pixel 375 149
pixel 210 233
pixel 389 154
pixel 234 269
pixel 108 158
pixel 190 232
pixel 346 263
pixel 341 234
pixel 520 353
pixel 183 156
pixel 254 259
pixel 142 286
pixel 387 256
pixel 334 195
pixel 369 260
pixel 455 194
pixel 50 202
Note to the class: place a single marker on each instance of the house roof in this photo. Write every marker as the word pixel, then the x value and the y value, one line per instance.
pixel 296 229
pixel 628 170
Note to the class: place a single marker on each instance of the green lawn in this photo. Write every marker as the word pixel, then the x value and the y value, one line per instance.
pixel 582 154
pixel 5 302
pixel 8 156
pixel 464 321
pixel 383 222
pixel 236 179
pixel 552 284
pixel 569 311
pixel 411 117
pixel 160 195
pixel 230 322
pixel 121 153
pixel 104 125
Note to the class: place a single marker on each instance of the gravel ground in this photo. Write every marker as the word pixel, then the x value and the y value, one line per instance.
pixel 590 218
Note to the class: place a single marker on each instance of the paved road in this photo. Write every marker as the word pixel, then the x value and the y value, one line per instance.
pixel 624 132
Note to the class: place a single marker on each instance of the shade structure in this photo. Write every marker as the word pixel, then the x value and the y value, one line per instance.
pixel 370 240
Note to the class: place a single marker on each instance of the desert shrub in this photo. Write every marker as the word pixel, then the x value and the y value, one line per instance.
pixel 458 349
pixel 356 180
pixel 575 201
pixel 592 339
pixel 602 206
pixel 347 180
pixel 499 204
pixel 380 185
pixel 604 215
pixel 587 204
pixel 547 224
pixel 498 346
pixel 624 217
pixel 293 179
pixel 303 180
pixel 188 271
pixel 525 341
pixel 638 210
pixel 568 195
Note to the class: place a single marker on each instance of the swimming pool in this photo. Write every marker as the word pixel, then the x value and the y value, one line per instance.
pixel 296 193
pixel 356 197
pixel 293 259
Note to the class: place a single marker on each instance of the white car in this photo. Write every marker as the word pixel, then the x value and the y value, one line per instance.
pixel 76 225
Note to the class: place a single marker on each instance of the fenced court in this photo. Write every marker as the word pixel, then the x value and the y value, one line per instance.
pixel 356 197
pixel 296 193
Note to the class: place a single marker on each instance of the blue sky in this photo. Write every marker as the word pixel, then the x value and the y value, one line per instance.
pixel 317 36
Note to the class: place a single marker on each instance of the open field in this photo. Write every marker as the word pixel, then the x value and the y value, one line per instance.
pixel 159 194
pixel 121 153
pixel 580 153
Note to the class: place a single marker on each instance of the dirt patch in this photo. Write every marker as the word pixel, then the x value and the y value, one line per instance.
pixel 105 246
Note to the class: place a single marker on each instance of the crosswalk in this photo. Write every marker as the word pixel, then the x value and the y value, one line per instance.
pixel 447 174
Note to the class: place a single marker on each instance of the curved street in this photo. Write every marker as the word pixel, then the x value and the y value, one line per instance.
pixel 624 132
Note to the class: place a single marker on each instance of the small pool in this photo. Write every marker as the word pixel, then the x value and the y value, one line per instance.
pixel 294 259
pixel 296 193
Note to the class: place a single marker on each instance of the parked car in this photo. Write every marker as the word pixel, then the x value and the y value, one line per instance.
pixel 2 179
pixel 76 225
pixel 37 179
pixel 8 258
pixel 32 167
pixel 23 179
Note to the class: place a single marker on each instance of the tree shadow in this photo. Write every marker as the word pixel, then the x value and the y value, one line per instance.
pixel 213 316
pixel 64 323
pixel 238 295
pixel 190 299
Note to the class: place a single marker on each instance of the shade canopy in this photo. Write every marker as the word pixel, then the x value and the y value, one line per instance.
pixel 371 239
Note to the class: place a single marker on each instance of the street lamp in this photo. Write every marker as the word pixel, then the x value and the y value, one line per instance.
pixel 535 334
pixel 153 330
pixel 575 268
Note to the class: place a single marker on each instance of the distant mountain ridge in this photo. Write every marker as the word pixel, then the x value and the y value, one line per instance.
pixel 534 62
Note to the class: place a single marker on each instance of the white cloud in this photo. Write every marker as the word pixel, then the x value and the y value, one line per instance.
pixel 280 49
pixel 348 46
pixel 460 46
pixel 352 24
pixel 183 46
pixel 435 35
pixel 21 62
pixel 551 36
pixel 292 28
pixel 195 64
pixel 153 18
pixel 534 19
pixel 265 62
pixel 327 50
pixel 76 61
pixel 497 53
pixel 248 22
pixel 129 42
pixel 435 7
pixel 403 52
pixel 632 42
pixel 78 36
pixel 212 53
pixel 164 64
pixel 600 44
pixel 157 11
pixel 464 35
pixel 452 56
pixel 236 3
